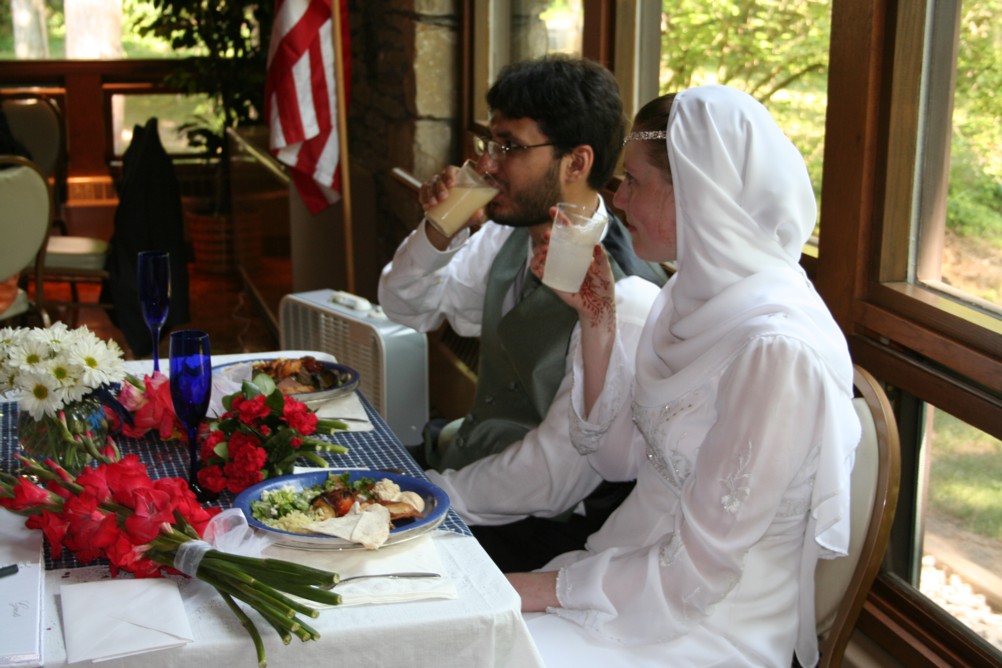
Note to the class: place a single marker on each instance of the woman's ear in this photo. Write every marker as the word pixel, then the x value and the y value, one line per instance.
pixel 578 163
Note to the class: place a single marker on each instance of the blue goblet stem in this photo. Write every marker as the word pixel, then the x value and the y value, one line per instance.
pixel 154 286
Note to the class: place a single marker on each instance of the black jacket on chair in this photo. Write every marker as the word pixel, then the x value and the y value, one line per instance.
pixel 148 217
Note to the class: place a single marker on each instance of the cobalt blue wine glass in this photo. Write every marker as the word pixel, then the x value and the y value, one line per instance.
pixel 153 281
pixel 190 390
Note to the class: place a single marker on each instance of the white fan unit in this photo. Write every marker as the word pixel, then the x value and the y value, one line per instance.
pixel 391 359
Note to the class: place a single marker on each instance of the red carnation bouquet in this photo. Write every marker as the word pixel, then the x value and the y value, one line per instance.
pixel 261 434
pixel 116 512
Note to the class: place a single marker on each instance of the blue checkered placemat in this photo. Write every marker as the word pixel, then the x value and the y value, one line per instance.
pixel 376 449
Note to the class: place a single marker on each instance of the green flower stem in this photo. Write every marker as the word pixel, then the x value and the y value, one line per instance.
pixel 259 591
pixel 264 606
pixel 329 426
pixel 307 632
pixel 314 594
pixel 266 565
pixel 80 441
pixel 313 457
pixel 248 625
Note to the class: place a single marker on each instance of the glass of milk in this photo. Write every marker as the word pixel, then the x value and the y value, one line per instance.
pixel 471 191
pixel 572 238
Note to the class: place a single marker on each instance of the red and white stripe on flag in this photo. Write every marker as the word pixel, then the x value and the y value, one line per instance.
pixel 301 98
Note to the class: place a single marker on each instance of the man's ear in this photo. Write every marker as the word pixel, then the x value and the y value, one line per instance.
pixel 577 163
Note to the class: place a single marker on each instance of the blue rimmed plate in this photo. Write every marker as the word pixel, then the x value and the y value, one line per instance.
pixel 435 499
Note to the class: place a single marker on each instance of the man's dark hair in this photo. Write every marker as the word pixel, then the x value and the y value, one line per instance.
pixel 574 101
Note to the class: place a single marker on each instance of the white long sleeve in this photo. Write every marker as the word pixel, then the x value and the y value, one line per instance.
pixel 423 286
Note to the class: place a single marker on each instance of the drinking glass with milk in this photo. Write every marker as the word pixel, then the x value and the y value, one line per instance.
pixel 471 191
pixel 572 238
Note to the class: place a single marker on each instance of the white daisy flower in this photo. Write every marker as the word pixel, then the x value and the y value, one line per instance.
pixel 98 364
pixel 49 368
pixel 30 353
pixel 39 394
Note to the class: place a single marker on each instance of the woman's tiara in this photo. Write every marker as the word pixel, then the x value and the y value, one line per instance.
pixel 646 134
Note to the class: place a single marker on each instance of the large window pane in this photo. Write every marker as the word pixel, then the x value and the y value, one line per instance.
pixel 962 524
pixel 960 222
pixel 172 111
pixel 78 29
pixel 508 32
pixel 776 50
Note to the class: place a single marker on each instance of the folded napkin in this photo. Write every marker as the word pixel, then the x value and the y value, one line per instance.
pixel 349 409
pixel 419 554
pixel 109 619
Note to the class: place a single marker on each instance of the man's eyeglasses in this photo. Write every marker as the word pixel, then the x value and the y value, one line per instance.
pixel 497 152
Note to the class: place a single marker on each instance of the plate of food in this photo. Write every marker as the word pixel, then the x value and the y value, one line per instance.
pixel 306 378
pixel 342 510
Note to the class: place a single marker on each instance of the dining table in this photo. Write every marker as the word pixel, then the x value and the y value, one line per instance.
pixel 466 618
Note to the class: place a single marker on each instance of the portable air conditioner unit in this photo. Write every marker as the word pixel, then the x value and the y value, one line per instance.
pixel 391 359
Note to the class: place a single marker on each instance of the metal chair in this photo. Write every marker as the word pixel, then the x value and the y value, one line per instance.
pixel 37 122
pixel 841 585
pixel 24 226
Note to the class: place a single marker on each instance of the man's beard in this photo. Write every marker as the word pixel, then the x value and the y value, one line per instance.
pixel 532 206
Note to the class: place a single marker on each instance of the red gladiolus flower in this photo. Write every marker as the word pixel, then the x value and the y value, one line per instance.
pixel 53 526
pixel 90 530
pixel 125 477
pixel 123 555
pixel 26 495
pixel 95 481
pixel 153 508
pixel 152 408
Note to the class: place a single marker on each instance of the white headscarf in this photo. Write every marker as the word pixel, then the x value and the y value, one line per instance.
pixel 744 209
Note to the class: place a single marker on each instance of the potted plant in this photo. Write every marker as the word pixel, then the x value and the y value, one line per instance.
pixel 230 39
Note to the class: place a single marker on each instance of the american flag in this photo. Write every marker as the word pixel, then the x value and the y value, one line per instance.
pixel 301 95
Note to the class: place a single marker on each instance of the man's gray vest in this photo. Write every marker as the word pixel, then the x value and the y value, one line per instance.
pixel 522 360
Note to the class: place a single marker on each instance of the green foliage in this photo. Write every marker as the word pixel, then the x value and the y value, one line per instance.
pixel 230 40
pixel 965 476
pixel 974 203
pixel 774 50
pixel 760 46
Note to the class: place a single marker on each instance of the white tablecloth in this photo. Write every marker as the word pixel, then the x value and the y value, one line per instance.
pixel 482 627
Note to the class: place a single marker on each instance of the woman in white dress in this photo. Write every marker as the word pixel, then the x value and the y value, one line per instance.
pixel 734 414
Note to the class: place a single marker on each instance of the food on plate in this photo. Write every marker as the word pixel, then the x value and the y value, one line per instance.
pixel 362 511
pixel 298 376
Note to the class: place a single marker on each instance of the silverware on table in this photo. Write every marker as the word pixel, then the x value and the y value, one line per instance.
pixel 398 576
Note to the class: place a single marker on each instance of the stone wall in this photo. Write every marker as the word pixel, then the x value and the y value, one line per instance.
pixel 403 106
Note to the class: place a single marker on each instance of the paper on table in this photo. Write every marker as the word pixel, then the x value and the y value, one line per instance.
pixel 419 554
pixel 21 616
pixel 108 619
pixel 348 408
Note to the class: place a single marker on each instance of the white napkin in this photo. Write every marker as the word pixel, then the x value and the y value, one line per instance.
pixel 21 594
pixel 109 619
pixel 419 554
pixel 348 408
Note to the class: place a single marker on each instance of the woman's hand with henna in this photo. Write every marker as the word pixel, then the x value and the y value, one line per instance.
pixel 595 302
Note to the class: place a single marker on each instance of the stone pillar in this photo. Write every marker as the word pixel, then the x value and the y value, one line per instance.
pixel 403 109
